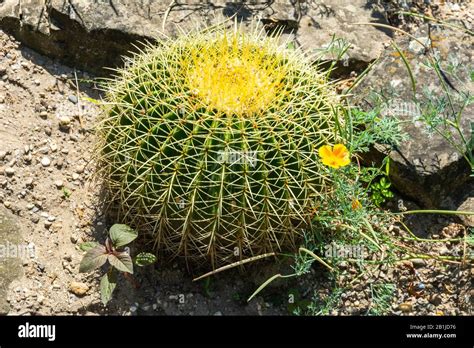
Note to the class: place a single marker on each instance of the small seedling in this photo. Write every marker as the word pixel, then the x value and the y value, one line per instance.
pixel 118 256
pixel 381 191
pixel 66 193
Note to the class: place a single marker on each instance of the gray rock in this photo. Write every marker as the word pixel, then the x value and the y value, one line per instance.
pixel 462 200
pixel 426 168
pixel 327 18
pixel 93 34
pixel 10 266
pixel 73 99
pixel 418 263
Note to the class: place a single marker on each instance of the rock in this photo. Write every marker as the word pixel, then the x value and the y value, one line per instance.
pixel 435 299
pixel 335 17
pixel 64 123
pixel 467 206
pixel 462 200
pixel 78 289
pixel 418 263
pixel 59 184
pixel 10 266
pixel 425 168
pixel 9 171
pixel 405 307
pixel 45 162
pixel 80 169
pixel 93 34
pixel 73 99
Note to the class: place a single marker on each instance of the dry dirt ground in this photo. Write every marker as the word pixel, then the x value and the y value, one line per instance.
pixel 45 151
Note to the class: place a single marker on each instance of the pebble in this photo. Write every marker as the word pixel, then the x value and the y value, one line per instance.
pixel 418 263
pixel 405 307
pixel 73 99
pixel 47 224
pixel 435 299
pixel 75 176
pixel 35 219
pixel 64 122
pixel 3 154
pixel 443 251
pixel 59 184
pixel 45 162
pixel 44 115
pixel 78 289
pixel 9 171
pixel 57 227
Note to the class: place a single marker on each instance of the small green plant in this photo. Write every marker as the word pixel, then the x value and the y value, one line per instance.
pixel 323 306
pixel 66 193
pixel 115 253
pixel 382 295
pixel 380 191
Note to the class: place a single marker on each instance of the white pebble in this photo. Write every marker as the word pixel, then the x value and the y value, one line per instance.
pixel 9 171
pixel 45 162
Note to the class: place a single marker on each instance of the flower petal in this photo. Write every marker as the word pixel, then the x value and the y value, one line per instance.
pixel 340 150
pixel 344 161
pixel 325 151
pixel 330 162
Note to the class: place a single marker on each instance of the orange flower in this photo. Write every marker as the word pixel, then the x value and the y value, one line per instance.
pixel 356 204
pixel 334 157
